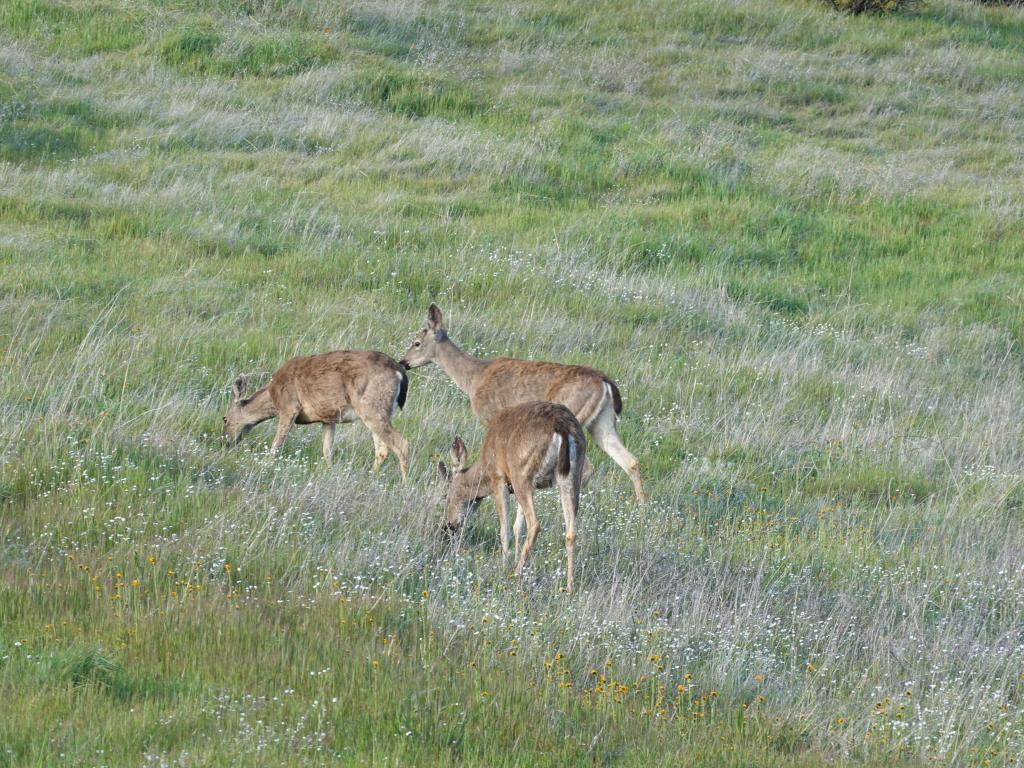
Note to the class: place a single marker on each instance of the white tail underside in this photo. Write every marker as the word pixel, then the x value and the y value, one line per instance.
pixel 547 469
pixel 606 400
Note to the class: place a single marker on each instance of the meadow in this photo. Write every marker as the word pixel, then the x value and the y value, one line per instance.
pixel 792 236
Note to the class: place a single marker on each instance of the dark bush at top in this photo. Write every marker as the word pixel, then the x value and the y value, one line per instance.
pixel 870 6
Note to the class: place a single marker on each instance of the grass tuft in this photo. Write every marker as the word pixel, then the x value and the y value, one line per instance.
pixel 416 94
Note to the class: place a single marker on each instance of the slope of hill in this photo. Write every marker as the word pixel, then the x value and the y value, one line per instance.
pixel 793 237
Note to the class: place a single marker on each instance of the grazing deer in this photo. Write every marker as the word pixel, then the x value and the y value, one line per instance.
pixel 329 389
pixel 528 446
pixel 494 384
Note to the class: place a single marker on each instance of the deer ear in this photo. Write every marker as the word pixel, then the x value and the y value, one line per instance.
pixel 435 320
pixel 238 388
pixel 444 472
pixel 459 453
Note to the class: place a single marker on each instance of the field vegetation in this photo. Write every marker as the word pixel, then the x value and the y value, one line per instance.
pixel 792 236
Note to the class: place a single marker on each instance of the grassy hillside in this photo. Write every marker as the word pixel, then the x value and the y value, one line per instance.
pixel 793 237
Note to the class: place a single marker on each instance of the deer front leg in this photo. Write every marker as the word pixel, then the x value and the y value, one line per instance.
pixel 328 442
pixel 284 424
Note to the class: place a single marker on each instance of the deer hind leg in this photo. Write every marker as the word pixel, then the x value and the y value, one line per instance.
pixel 328 442
pixel 501 501
pixel 569 495
pixel 518 526
pixel 587 404
pixel 603 430
pixel 374 410
pixel 380 451
pixel 400 446
pixel 387 437
pixel 525 498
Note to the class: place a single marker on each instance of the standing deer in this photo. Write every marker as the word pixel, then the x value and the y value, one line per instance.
pixel 329 389
pixel 527 447
pixel 494 384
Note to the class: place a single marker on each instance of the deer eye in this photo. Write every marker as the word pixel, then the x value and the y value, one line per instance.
pixel 415 343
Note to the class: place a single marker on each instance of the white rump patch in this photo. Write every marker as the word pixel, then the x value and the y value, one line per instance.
pixel 607 400
pixel 546 471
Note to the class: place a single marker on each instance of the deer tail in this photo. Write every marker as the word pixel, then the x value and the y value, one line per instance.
pixel 403 388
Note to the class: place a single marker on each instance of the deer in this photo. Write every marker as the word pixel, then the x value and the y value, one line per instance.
pixel 491 385
pixel 330 388
pixel 527 447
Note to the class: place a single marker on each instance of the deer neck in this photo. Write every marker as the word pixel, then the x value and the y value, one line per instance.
pixel 259 407
pixel 462 368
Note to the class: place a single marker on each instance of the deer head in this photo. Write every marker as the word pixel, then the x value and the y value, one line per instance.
pixel 236 421
pixel 462 487
pixel 424 347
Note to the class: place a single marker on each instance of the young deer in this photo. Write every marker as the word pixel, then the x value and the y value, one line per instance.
pixel 332 388
pixel 495 384
pixel 529 446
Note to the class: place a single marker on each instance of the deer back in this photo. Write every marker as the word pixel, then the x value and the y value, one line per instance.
pixel 508 382
pixel 325 386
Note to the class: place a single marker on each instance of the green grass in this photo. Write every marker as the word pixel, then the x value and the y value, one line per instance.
pixel 346 680
pixel 793 237
pixel 200 50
